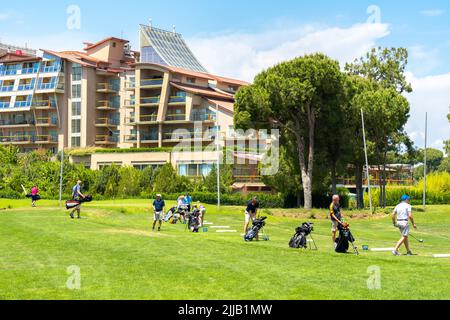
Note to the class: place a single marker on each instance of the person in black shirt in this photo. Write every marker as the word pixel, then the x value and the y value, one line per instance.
pixel 250 212
pixel 158 207
pixel 335 216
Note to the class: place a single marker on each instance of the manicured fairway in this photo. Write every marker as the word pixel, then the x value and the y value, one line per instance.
pixel 121 258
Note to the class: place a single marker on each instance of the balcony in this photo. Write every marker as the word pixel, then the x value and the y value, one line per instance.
pixel 43 104
pixel 30 70
pixel 106 122
pixel 6 88
pixel 22 123
pixel 22 139
pixel 130 103
pixel 150 101
pixel 107 88
pixel 177 100
pixel 22 104
pixel 4 105
pixel 130 85
pixel 148 118
pixel 152 83
pixel 46 122
pixel 204 117
pixel 26 87
pixel 50 86
pixel 175 117
pixel 107 105
pixel 149 137
pixel 9 72
pixel 106 139
pixel 46 139
pixel 177 136
pixel 50 69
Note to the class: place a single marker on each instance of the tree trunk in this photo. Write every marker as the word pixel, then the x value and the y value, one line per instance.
pixel 333 177
pixel 359 186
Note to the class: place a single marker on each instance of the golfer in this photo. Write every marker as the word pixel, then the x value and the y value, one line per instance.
pixel 336 217
pixel 77 195
pixel 400 218
pixel 34 195
pixel 201 210
pixel 188 201
pixel 250 213
pixel 158 208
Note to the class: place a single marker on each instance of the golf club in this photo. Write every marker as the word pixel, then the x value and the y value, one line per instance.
pixel 418 240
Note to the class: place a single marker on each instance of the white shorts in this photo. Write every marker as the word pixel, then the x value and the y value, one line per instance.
pixel 249 216
pixel 158 216
pixel 403 226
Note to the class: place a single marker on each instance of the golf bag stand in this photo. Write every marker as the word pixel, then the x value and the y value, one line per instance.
pixel 314 243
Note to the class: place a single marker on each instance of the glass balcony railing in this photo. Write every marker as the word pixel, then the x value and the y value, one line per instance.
pixel 4 105
pixel 176 117
pixel 130 103
pixel 151 82
pixel 177 99
pixel 26 87
pixel 46 139
pixel 149 137
pixel 106 104
pixel 150 100
pixel 106 139
pixel 149 118
pixel 107 122
pixel 49 69
pixel 184 135
pixel 18 139
pixel 22 104
pixel 107 87
pixel 30 70
pixel 44 104
pixel 11 122
pixel 6 88
pixel 46 121
pixel 203 117
pixel 50 86
pixel 131 138
pixel 10 72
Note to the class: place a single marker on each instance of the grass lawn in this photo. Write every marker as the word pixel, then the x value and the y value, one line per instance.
pixel 121 258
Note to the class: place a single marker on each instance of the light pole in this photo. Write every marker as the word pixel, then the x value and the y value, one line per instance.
pixel 425 163
pixel 367 161
pixel 218 155
pixel 61 176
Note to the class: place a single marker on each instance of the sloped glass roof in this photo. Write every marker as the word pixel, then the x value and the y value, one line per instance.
pixel 171 48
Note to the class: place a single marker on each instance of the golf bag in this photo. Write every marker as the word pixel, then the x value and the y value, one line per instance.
pixel 258 224
pixel 170 214
pixel 345 239
pixel 176 214
pixel 34 198
pixel 194 221
pixel 299 240
pixel 71 204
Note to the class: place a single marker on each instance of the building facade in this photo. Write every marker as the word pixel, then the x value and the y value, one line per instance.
pixel 109 96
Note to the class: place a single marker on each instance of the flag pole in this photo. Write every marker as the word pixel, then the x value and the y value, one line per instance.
pixel 425 163
pixel 367 161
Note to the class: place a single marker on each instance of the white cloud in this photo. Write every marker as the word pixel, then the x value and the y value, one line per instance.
pixel 431 94
pixel 6 15
pixel 243 55
pixel 423 61
pixel 432 12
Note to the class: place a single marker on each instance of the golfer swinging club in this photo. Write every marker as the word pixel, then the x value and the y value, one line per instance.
pixel 400 218
pixel 336 217
pixel 77 195
pixel 158 208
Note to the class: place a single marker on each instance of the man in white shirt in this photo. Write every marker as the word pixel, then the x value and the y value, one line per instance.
pixel 400 217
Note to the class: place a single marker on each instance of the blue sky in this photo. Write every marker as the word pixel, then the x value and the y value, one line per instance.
pixel 239 38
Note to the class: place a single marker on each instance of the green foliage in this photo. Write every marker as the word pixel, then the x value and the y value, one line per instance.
pixel 167 180
pixel 445 165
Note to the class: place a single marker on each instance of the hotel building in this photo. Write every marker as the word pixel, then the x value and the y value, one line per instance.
pixel 109 96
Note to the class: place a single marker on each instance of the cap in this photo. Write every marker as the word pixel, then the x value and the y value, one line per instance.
pixel 406 197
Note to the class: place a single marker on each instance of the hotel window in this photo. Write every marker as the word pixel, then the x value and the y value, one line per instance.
pixel 76 91
pixel 76 72
pixel 194 169
pixel 76 109
pixel 191 80
pixel 76 126
pixel 144 165
pixel 76 141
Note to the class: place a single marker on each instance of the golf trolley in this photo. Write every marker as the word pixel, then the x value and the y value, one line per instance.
pixel 345 237
pixel 193 221
pixel 300 238
pixel 258 226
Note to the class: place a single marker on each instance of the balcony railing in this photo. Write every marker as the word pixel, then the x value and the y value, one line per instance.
pixel 50 86
pixel 186 135
pixel 46 121
pixel 22 104
pixel 106 104
pixel 30 70
pixel 106 139
pixel 177 99
pixel 130 85
pixel 26 87
pixel 149 137
pixel 131 138
pixel 6 88
pixel 203 117
pixel 176 117
pixel 10 72
pixel 18 139
pixel 49 69
pixel 4 105
pixel 130 103
pixel 107 87
pixel 44 104
pixel 151 82
pixel 107 122
pixel 149 118
pixel 9 122
pixel 150 100
pixel 46 139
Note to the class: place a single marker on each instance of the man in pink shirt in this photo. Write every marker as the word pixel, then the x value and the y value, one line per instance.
pixel 34 196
